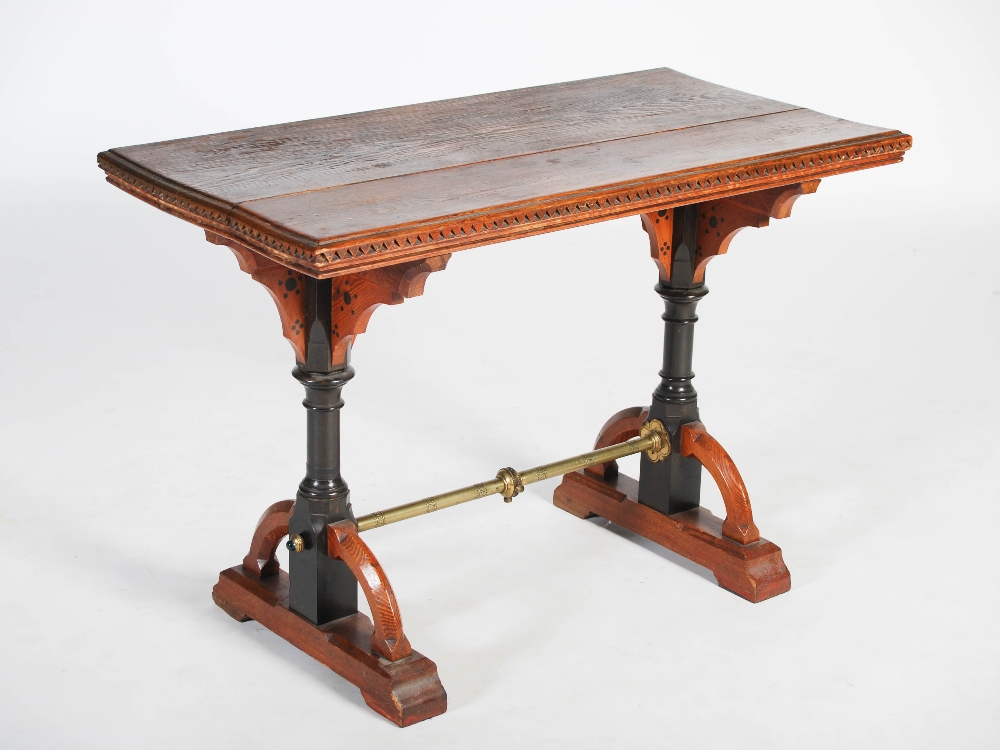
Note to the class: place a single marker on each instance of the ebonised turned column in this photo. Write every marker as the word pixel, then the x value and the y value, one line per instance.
pixel 674 484
pixel 320 588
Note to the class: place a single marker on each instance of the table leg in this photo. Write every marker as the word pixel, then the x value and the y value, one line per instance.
pixel 315 605
pixel 664 504
pixel 321 588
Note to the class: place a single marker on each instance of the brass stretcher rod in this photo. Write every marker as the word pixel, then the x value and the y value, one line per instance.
pixel 509 483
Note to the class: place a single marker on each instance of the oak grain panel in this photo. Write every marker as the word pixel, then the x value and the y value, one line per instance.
pixel 345 194
pixel 351 212
pixel 315 154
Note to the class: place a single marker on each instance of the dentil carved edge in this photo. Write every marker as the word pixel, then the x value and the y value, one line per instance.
pixel 408 242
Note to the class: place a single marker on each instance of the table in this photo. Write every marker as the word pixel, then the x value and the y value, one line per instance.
pixel 337 216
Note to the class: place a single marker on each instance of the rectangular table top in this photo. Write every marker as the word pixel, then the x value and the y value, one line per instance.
pixel 340 194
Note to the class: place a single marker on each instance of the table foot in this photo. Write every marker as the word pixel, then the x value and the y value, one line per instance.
pixel 394 680
pixel 754 571
pixel 404 691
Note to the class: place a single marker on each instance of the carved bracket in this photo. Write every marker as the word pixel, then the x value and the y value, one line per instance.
pixel 388 640
pixel 659 225
pixel 283 284
pixel 718 223
pixel 697 443
pixel 354 296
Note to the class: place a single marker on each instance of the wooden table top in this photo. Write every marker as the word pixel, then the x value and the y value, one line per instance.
pixel 370 189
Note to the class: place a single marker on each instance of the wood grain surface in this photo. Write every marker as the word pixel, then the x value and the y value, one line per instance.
pixel 623 426
pixel 272 527
pixel 696 442
pixel 355 296
pixel 372 189
pixel 388 641
pixel 404 691
pixel 754 571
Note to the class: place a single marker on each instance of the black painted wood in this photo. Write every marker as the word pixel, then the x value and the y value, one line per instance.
pixel 320 588
pixel 674 484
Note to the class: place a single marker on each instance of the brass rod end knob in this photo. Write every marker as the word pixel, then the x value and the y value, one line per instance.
pixel 295 543
pixel 661 440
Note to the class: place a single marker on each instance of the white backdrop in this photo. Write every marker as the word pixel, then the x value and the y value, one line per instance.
pixel 847 358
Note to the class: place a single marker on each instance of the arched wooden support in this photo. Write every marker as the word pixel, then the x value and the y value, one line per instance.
pixel 272 527
pixel 355 296
pixel 388 640
pixel 621 427
pixel 698 443
pixel 395 680
pixel 732 548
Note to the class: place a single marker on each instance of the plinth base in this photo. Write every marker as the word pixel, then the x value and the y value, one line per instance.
pixel 404 691
pixel 754 571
